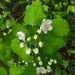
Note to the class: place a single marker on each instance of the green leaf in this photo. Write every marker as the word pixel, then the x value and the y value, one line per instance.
pixel 8 1
pixel 34 17
pixel 1 5
pixel 65 63
pixel 21 52
pixel 52 43
pixel 6 13
pixel 58 57
pixel 4 51
pixel 0 40
pixel 2 71
pixel 9 23
pixel 10 62
pixel 60 27
pixel 19 27
pixel 2 26
pixel 8 38
pixel 46 1
pixel 46 8
pixel 71 8
pixel 30 70
pixel 57 71
pixel 15 70
pixel 37 2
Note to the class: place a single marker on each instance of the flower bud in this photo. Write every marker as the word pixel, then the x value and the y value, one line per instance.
pixel 40 44
pixel 29 38
pixel 35 37
pixel 49 63
pixel 39 31
pixel 55 61
pixel 36 51
pixel 40 63
pixel 22 45
pixel 28 51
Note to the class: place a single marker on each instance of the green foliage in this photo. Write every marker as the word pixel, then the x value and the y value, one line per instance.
pixel 58 57
pixel 65 63
pixel 9 23
pixel 34 17
pixel 15 70
pixel 2 71
pixel 20 51
pixel 70 51
pixel 52 43
pixel 46 8
pixel 29 20
pixel 4 51
pixel 8 1
pixel 60 27
pixel 10 62
pixel 30 69
pixel 71 8
pixel 57 72
pixel 6 13
pixel 1 5
pixel 2 27
pixel 10 36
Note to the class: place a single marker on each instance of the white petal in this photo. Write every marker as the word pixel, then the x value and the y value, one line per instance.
pixel 47 22
pixel 50 27
pixel 44 20
pixel 38 70
pixel 42 70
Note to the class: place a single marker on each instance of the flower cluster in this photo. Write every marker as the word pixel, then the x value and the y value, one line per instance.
pixel 34 49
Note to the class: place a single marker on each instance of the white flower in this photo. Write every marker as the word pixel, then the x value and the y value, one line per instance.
pixel 23 61
pixel 40 62
pixel 35 37
pixel 49 63
pixel 4 34
pixel 48 67
pixel 34 64
pixel 28 51
pixel 51 60
pixel 21 36
pixel 7 26
pixel 29 38
pixel 55 61
pixel 19 62
pixel 26 63
pixel 36 51
pixel 40 44
pixel 46 26
pixel 39 58
pixel 10 30
pixel 22 45
pixel 39 31
pixel 41 70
